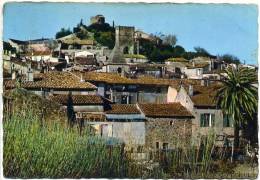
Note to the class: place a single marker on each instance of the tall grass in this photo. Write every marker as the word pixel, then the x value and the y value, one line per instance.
pixel 36 147
pixel 32 150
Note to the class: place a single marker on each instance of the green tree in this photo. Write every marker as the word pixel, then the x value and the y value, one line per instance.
pixel 201 52
pixel 70 110
pixel 7 47
pixel 228 58
pixel 63 32
pixel 178 51
pixel 238 97
pixel 169 39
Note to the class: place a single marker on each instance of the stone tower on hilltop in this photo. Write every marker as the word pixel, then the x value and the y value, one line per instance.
pixel 124 44
pixel 98 19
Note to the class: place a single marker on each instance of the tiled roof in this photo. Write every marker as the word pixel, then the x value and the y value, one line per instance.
pixel 9 84
pixel 123 109
pixel 165 110
pixel 204 96
pixel 85 60
pixel 58 80
pixel 198 65
pixel 78 99
pixel 114 78
pixel 38 53
pixel 6 74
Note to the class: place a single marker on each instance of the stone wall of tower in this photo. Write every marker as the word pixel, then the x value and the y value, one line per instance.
pixel 124 43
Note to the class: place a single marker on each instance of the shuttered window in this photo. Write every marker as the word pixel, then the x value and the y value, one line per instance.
pixel 207 120
pixel 212 120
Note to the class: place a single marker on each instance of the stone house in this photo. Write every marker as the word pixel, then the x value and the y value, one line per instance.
pixel 200 100
pixel 144 128
pixel 123 90
pixel 39 56
pixel 167 125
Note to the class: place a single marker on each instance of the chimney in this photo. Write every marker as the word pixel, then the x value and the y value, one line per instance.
pixel 81 79
pixel 190 90
pixel 39 64
pixel 29 73
pixel 202 82
pixel 193 63
pixel 13 74
pixel 122 73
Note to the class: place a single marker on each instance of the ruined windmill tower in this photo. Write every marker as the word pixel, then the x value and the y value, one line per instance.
pixel 124 44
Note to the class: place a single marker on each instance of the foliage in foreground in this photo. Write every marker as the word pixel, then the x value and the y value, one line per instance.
pixel 35 151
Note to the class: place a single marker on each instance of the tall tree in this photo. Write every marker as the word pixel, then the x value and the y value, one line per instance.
pixel 70 110
pixel 238 97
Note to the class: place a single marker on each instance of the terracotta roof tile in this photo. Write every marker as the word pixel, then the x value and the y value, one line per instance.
pixel 165 110
pixel 204 96
pixel 78 99
pixel 123 109
pixel 57 80
pixel 38 53
pixel 114 78
pixel 6 73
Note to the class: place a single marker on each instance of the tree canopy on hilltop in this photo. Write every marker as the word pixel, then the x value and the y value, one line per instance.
pixel 63 32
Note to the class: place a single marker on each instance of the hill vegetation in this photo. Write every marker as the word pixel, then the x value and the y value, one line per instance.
pixel 167 48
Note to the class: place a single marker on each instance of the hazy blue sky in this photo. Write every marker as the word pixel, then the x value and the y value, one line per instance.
pixel 220 29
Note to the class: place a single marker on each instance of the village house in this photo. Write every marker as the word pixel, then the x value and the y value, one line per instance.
pixel 38 56
pixel 143 128
pixel 145 69
pixel 123 90
pixel 184 68
pixel 201 101
pixel 29 45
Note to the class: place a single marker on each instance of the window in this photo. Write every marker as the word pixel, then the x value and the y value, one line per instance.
pixel 123 99
pixel 139 149
pixel 157 145
pixel 227 120
pixel 171 123
pixel 165 146
pixel 207 120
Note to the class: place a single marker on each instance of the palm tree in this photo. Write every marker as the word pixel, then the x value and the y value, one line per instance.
pixel 237 97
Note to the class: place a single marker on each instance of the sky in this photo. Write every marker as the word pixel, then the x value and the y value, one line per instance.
pixel 219 28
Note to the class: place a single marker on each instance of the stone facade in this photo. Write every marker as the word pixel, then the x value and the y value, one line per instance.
pixel 124 44
pixel 218 128
pixel 98 19
pixel 166 133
